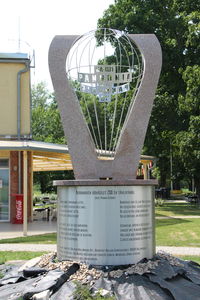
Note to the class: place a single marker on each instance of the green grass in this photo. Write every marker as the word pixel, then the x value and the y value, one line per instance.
pixel 177 209
pixel 178 232
pixel 49 238
pixel 45 206
pixel 18 255
pixel 189 257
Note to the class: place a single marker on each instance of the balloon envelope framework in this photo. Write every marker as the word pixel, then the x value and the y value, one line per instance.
pixel 105 68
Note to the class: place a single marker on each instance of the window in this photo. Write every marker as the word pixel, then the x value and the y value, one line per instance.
pixel 4 163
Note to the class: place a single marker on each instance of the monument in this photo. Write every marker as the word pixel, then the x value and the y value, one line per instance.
pixel 105 84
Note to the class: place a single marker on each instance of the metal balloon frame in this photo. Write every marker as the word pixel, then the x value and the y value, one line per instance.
pixel 105 68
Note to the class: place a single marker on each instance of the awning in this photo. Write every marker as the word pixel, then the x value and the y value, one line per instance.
pixel 49 156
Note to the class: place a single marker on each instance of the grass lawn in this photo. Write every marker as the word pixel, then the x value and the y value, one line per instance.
pixel 49 238
pixel 177 209
pixel 193 258
pixel 18 255
pixel 178 232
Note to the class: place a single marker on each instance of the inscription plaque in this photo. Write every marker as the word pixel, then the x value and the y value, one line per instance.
pixel 105 225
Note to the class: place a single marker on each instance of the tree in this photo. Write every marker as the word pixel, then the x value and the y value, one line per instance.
pixel 188 140
pixel 176 24
pixel 47 127
pixel 46 122
pixel 189 148
pixel 45 179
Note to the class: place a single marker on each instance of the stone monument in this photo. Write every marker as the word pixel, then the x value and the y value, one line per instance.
pixel 105 84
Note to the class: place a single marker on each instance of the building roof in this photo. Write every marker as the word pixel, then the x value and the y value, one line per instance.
pixel 29 145
pixel 49 156
pixel 13 55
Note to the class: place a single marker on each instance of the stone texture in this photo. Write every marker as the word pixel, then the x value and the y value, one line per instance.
pixel 135 182
pixel 133 134
pixel 81 147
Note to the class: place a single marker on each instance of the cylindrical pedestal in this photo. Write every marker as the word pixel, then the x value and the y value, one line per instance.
pixel 106 222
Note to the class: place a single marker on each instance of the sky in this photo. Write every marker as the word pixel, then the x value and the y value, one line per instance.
pixel 35 23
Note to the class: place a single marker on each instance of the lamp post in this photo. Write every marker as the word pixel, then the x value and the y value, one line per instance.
pixel 171 167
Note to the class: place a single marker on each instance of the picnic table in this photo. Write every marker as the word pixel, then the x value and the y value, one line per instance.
pixel 192 198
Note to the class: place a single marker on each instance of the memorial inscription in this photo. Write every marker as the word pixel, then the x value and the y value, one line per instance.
pixel 108 222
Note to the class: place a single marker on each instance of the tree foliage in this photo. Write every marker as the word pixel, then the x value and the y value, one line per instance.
pixel 47 127
pixel 174 121
pixel 188 140
pixel 46 122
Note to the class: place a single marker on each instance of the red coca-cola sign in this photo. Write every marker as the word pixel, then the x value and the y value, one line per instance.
pixel 18 208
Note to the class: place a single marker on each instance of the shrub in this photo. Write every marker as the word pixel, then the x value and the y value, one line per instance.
pixel 159 202
pixel 83 292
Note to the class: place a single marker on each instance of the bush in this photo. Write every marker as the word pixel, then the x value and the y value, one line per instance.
pixel 53 197
pixel 36 199
pixel 83 292
pixel 159 202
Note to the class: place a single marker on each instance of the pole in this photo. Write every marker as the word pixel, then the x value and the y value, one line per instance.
pixel 171 168
pixel 25 188
pixel 19 173
pixel 145 171
pixel 19 38
pixel 31 182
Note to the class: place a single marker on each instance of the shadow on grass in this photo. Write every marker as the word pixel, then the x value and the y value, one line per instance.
pixel 184 209
pixel 171 221
pixel 164 216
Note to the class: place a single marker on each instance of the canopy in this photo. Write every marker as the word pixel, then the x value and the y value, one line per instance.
pixel 49 156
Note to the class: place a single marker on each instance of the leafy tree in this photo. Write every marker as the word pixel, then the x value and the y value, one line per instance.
pixel 45 179
pixel 188 140
pixel 47 127
pixel 40 95
pixel 176 24
pixel 46 122
pixel 189 149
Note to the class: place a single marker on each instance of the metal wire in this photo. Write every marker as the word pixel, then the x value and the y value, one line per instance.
pixel 124 103
pixel 82 59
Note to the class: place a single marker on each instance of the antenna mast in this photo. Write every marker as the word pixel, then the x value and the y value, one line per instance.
pixel 19 34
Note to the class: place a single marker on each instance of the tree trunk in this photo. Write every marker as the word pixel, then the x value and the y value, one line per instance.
pixel 197 185
pixel 43 182
pixel 163 180
pixel 189 184
pixel 176 184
